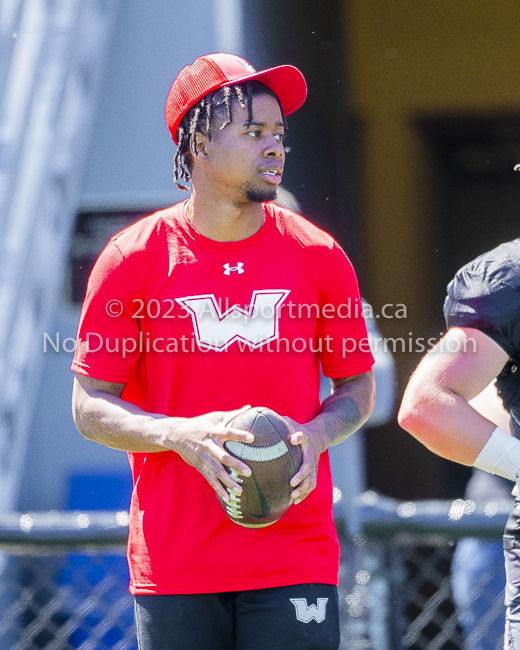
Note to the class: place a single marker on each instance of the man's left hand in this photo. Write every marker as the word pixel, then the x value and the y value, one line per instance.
pixel 313 446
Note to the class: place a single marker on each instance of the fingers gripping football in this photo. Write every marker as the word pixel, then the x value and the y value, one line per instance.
pixel 200 442
pixel 266 494
pixel 305 479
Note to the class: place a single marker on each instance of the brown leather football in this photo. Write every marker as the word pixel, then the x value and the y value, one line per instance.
pixel 266 494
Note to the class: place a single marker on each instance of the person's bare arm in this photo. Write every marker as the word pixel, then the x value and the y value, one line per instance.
pixel 341 414
pixel 490 406
pixel 101 415
pixel 435 407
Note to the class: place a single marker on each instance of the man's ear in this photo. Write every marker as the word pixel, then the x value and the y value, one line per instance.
pixel 199 144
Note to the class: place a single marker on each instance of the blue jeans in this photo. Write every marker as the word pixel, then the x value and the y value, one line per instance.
pixel 477 580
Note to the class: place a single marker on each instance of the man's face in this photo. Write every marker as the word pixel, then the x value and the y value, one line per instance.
pixel 246 161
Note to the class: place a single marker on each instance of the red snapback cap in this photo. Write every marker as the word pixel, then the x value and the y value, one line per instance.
pixel 214 71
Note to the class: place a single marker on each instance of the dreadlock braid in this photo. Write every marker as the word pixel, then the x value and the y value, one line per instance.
pixel 180 170
pixel 226 91
pixel 208 117
pixel 249 92
pixel 240 96
pixel 200 118
pixel 197 110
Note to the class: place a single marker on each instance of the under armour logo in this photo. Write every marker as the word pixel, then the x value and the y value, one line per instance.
pixel 306 613
pixel 239 268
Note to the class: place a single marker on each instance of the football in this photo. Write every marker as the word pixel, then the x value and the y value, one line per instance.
pixel 266 494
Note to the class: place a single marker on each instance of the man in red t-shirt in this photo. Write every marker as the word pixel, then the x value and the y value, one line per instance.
pixel 194 313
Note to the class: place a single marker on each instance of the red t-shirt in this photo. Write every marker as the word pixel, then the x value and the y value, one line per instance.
pixel 193 325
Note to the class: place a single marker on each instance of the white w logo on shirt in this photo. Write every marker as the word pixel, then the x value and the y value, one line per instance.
pixel 215 330
pixel 306 613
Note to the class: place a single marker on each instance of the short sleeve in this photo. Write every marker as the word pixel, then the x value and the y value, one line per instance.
pixel 108 337
pixel 345 350
pixel 480 299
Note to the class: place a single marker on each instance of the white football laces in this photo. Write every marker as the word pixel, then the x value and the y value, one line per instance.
pixel 233 507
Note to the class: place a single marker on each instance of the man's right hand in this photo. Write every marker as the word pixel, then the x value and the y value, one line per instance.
pixel 200 442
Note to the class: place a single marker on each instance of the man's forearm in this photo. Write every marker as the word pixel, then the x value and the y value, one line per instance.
pixel 341 414
pixel 115 423
pixel 346 410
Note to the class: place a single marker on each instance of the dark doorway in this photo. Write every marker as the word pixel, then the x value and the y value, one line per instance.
pixel 474 205
pixel 475 190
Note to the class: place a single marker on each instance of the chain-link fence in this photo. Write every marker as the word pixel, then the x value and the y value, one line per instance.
pixel 63 582
pixel 63 579
pixel 429 576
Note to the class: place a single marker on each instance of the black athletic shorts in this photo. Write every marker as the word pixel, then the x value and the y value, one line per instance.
pixel 297 617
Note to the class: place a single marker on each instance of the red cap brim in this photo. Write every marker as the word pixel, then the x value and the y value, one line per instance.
pixel 286 81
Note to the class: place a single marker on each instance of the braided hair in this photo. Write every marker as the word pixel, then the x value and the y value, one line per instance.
pixel 203 118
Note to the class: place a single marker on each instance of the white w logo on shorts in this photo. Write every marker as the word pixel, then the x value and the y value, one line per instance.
pixel 256 326
pixel 306 613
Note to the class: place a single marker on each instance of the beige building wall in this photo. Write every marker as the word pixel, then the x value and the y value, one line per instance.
pixel 407 59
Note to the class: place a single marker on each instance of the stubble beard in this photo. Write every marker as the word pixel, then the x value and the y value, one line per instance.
pixel 256 195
